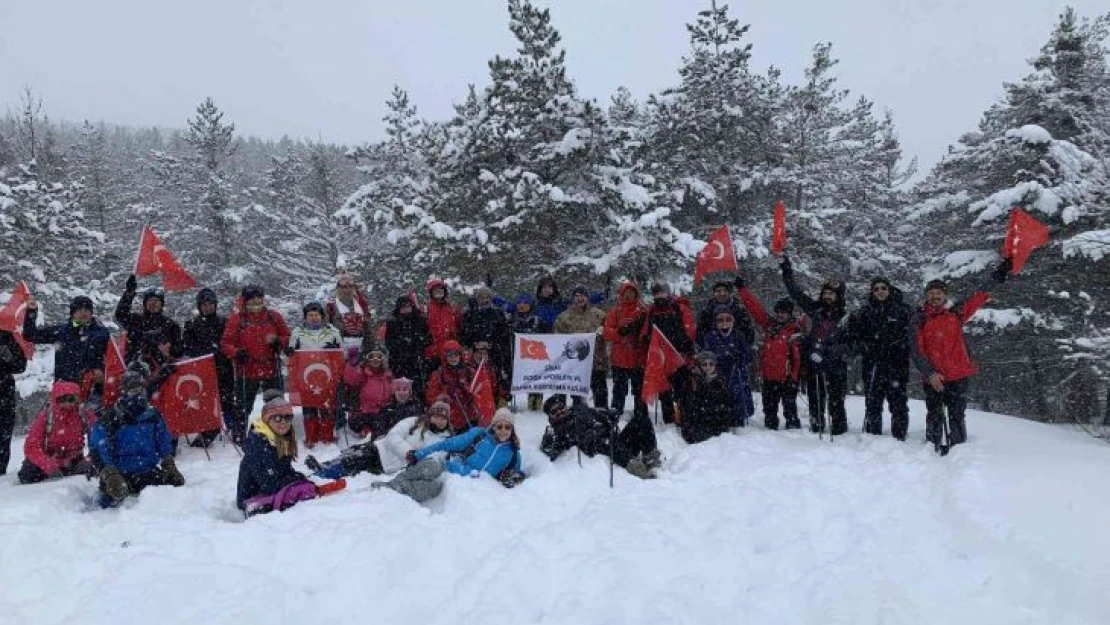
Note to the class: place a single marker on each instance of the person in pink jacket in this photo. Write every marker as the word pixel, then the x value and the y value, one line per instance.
pixel 55 445
pixel 374 383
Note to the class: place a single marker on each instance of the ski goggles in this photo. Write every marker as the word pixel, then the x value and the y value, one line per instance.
pixel 68 399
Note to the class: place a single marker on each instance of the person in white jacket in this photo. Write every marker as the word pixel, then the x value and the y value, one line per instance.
pixel 389 453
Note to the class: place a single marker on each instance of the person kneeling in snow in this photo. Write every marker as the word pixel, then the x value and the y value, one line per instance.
pixel 595 432
pixel 267 480
pixel 132 445
pixel 708 409
pixel 55 443
pixel 390 453
pixel 495 451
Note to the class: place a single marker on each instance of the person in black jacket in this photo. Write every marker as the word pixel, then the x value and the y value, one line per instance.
pixel 202 337
pixel 722 296
pixel 708 406
pixel 675 321
pixel 268 452
pixel 82 340
pixel 879 332
pixel 592 431
pixel 484 322
pixel 142 327
pixel 12 361
pixel 825 351
pixel 406 337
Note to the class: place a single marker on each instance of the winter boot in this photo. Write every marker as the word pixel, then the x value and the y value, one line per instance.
pixel 535 402
pixel 653 459
pixel 312 463
pixel 771 423
pixel 873 426
pixel 640 469
pixel 793 424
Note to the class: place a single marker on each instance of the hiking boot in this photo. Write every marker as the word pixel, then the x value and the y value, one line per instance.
pixel 312 463
pixel 653 459
pixel 637 467
pixel 793 424
pixel 772 424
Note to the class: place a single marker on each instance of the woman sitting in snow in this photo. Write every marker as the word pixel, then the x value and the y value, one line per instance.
pixel 267 480
pixel 55 444
pixel 708 408
pixel 132 445
pixel 389 454
pixel 495 451
pixel 401 406
pixel 373 382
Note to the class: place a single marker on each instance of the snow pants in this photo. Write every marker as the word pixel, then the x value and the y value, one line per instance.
pixel 622 378
pixel 419 481
pixel 780 392
pixel 889 386
pixel 7 425
pixel 952 399
pixel 826 390
pixel 599 388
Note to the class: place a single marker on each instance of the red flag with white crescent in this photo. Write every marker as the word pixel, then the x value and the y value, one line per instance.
pixel 189 400
pixel 778 234
pixel 717 255
pixel 1023 235
pixel 11 317
pixel 114 368
pixel 314 376
pixel 154 258
pixel 662 362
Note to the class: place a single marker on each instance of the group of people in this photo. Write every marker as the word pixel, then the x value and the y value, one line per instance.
pixel 428 389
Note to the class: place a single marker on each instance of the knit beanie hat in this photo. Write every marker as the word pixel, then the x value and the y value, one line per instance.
pixel 502 414
pixel 578 288
pixel 80 302
pixel 273 401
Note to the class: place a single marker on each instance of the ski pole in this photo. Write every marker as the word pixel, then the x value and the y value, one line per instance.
pixel 942 449
pixel 578 436
pixel 612 446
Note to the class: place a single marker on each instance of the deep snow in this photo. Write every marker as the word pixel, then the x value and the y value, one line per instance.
pixel 760 527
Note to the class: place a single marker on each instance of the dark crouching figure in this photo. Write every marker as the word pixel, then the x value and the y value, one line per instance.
pixel 595 432
pixel 708 408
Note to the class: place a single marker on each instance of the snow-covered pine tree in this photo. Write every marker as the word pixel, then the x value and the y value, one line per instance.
pixel 1042 148
pixel 102 198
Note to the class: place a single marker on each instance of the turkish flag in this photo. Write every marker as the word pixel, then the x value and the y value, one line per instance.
pixel 533 350
pixel 1023 235
pixel 189 400
pixel 482 388
pixel 662 361
pixel 114 368
pixel 154 258
pixel 778 236
pixel 314 376
pixel 717 255
pixel 11 317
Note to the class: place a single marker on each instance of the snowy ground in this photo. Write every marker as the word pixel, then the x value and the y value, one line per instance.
pixel 763 527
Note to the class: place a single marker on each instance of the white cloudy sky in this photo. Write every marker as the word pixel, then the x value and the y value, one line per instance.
pixel 323 69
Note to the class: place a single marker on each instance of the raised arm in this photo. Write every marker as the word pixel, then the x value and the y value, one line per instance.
pixel 805 302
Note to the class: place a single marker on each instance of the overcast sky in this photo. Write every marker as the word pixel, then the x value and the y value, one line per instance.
pixel 324 69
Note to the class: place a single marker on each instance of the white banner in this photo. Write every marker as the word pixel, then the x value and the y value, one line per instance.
pixel 553 363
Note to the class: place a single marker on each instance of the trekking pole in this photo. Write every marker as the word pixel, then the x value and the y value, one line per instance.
pixel 578 436
pixel 826 417
pixel 943 448
pixel 612 446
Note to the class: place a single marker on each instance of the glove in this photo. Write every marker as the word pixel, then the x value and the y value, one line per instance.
pixel 131 284
pixel 410 457
pixel 168 369
pixel 510 478
pixel 739 283
pixel 816 358
pixel 289 351
pixel 1002 272
pixel 172 474
pixel 6 354
pixel 785 264
pixel 274 343
pixel 242 355
pixel 111 480
pixel 85 467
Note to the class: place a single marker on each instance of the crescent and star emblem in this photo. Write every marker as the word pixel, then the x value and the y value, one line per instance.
pixel 316 366
pixel 191 402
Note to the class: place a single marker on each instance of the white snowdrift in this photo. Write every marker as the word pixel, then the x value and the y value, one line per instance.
pixel 762 527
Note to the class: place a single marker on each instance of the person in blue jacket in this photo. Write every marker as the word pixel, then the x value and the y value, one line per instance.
pixel 730 347
pixel 132 446
pixel 82 340
pixel 268 452
pixel 494 451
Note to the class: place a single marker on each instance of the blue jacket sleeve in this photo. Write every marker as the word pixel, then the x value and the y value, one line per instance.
pixel 100 442
pixel 597 298
pixel 454 444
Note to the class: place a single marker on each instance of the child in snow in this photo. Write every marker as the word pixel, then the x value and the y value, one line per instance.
pixel 454 378
pixel 319 424
pixel 731 349
pixel 132 445
pixel 709 405
pixel 495 451
pixel 389 453
pixel 373 381
pixel 267 480
pixel 55 444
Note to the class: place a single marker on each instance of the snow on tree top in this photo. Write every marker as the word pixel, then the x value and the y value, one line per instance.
pixel 1030 133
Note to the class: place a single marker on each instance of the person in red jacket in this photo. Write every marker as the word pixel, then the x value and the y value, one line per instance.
pixel 627 352
pixel 254 339
pixel 780 359
pixel 940 354
pixel 454 381
pixel 373 382
pixel 55 444
pixel 444 322
pixel 675 320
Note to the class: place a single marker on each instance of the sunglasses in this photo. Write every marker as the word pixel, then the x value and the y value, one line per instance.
pixel 282 417
pixel 504 427
pixel 375 357
pixel 68 399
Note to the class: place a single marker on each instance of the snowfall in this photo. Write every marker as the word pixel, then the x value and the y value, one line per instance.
pixel 757 527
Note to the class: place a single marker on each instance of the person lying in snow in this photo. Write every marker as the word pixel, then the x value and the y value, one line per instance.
pixel 132 446
pixel 267 479
pixel 389 454
pixel 495 451
pixel 593 431
pixel 55 444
